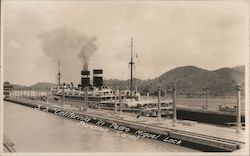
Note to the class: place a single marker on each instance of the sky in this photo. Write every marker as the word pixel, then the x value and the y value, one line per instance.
pixel 166 35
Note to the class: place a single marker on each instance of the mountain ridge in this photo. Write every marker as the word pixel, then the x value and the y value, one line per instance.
pixel 189 80
pixel 193 80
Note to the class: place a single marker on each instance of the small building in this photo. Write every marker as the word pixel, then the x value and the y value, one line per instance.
pixel 7 89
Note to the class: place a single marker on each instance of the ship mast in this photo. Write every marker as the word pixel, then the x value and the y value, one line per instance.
pixel 59 74
pixel 131 68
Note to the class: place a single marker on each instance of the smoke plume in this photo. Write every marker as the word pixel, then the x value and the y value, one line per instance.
pixel 88 48
pixel 67 44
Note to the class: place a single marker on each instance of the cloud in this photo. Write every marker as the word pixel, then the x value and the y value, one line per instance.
pixel 166 35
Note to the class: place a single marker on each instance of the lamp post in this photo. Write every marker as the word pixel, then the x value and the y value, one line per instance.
pixel 63 96
pixel 120 100
pixel 206 106
pixel 115 101
pixel 86 99
pixel 174 104
pixel 238 118
pixel 159 103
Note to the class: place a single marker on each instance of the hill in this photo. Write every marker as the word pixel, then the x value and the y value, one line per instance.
pixel 40 85
pixel 43 85
pixel 191 80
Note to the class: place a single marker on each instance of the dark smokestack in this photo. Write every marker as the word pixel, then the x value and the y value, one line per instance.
pixel 85 81
pixel 97 78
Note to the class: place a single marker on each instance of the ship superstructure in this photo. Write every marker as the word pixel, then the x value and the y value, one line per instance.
pixel 98 95
pixel 96 92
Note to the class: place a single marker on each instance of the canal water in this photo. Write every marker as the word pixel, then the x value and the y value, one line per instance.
pixel 37 131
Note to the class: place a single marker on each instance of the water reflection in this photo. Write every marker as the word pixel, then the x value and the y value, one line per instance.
pixel 36 131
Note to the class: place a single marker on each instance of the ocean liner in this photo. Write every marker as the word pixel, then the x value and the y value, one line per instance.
pixel 97 95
